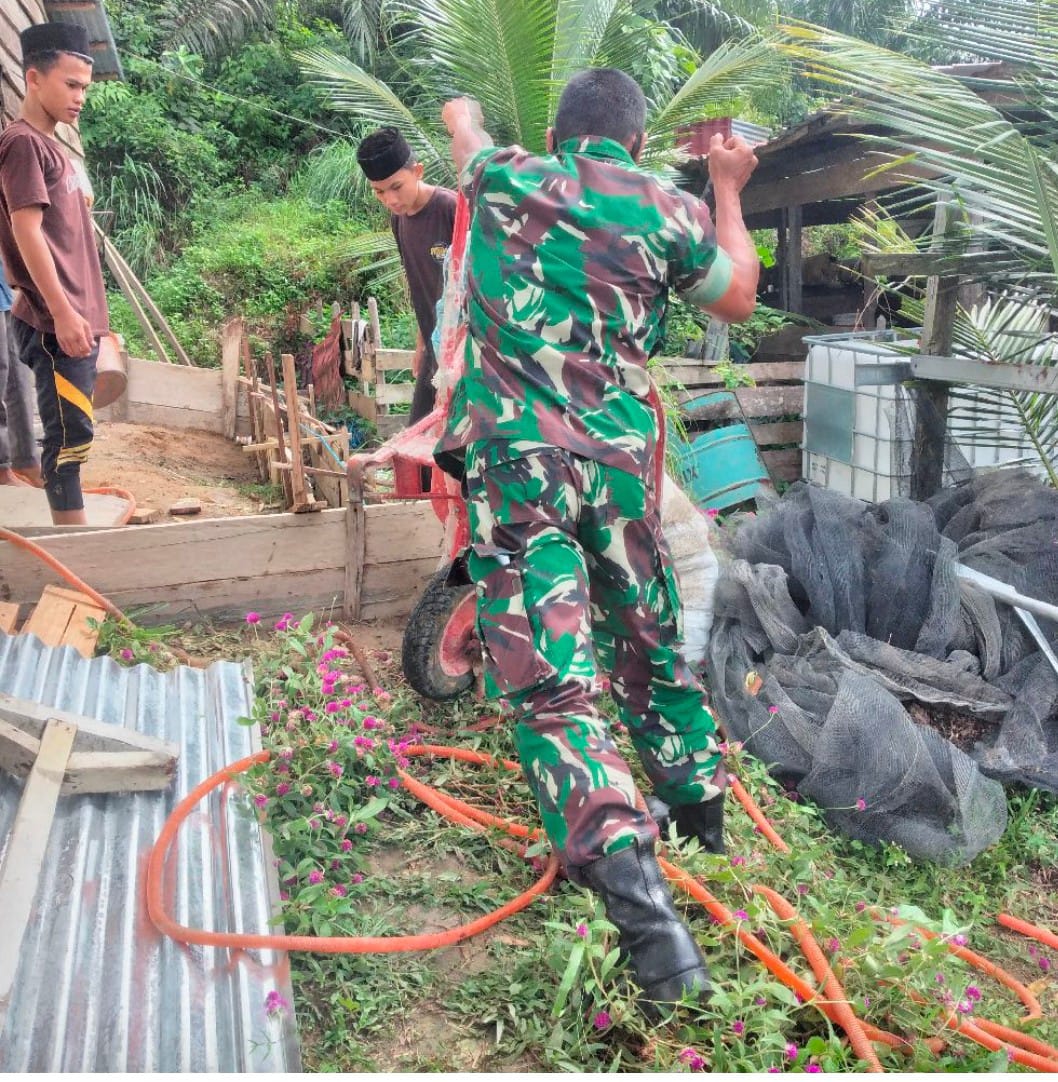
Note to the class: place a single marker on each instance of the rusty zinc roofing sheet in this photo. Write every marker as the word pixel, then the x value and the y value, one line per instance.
pixel 98 988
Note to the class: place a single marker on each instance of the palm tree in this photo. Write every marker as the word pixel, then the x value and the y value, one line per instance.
pixel 992 155
pixel 514 56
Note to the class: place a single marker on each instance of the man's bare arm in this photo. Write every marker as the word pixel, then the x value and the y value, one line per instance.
pixel 731 163
pixel 71 328
pixel 462 117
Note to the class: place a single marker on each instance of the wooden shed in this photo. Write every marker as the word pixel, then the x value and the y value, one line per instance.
pixel 16 15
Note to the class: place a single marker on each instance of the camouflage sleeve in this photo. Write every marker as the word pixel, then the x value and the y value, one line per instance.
pixel 475 172
pixel 701 269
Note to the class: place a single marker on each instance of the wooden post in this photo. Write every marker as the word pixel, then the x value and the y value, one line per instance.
pixel 791 292
pixel 284 479
pixel 931 397
pixel 297 473
pixel 367 361
pixel 231 353
pixel 355 541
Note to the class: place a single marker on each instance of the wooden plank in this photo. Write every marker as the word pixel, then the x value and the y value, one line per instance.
pixel 783 465
pixel 61 617
pixel 118 772
pixel 392 394
pixel 270 563
pixel 778 432
pixel 701 375
pixel 8 617
pixel 790 259
pixel 756 402
pixel 232 334
pixel 26 846
pixel 297 473
pixel 393 360
pixel 169 394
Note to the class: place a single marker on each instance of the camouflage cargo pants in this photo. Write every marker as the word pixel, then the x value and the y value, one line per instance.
pixel 565 548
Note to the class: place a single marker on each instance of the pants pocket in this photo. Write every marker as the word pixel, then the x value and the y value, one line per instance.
pixel 510 637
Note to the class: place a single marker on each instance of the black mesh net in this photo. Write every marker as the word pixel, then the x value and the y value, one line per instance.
pixel 847 654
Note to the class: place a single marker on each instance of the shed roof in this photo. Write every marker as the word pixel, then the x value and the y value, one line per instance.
pixel 91 14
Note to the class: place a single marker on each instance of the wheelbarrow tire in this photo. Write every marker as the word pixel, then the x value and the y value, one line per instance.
pixel 437 654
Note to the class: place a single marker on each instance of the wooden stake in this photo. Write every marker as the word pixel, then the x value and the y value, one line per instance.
pixel 231 352
pixel 355 543
pixel 297 474
pixel 26 847
pixel 288 491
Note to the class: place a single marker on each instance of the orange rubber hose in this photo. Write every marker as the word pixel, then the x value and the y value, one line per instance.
pixel 320 944
pixel 62 570
pixel 756 814
pixel 839 1001
pixel 122 493
pixel 1033 931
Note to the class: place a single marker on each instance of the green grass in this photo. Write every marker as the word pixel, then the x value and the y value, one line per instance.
pixel 544 990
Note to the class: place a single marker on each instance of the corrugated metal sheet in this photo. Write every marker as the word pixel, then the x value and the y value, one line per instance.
pixel 93 17
pixel 98 988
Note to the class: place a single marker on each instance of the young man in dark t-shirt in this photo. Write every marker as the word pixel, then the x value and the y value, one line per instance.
pixel 422 216
pixel 49 251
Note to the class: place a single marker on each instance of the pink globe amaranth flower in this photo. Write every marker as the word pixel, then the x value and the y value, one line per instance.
pixel 346 845
pixel 712 512
pixel 861 804
pixel 282 768
pixel 318 807
pixel 314 824
pixel 582 930
pixel 357 878
pixel 773 709
pixel 1044 963
pixel 336 769
pixel 973 993
pixel 332 707
pixel 601 1020
pixel 740 914
pixel 315 877
pixel 861 906
pixel 394 783
pixel 737 861
pixel 306 790
pixel 792 1051
pixel 126 654
pixel 372 780
pixel 253 617
pixel 261 800
pixel 340 821
pixel 959 940
pixel 338 891
pixel 760 1001
pixel 286 753
pixel 834 945
pixel 282 788
pixel 812 1068
pixel 274 1003
pixel 360 828
pixel 693 1059
pixel 332 747
pixel 738 1027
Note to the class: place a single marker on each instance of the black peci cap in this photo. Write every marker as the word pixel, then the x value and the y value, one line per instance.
pixel 383 153
pixel 56 38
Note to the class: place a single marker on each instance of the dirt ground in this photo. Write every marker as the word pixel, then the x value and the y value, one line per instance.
pixel 160 465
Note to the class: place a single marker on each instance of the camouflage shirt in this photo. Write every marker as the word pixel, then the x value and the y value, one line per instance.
pixel 570 258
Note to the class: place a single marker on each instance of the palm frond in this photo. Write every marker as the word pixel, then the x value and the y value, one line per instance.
pixel 498 51
pixel 374 255
pixel 721 81
pixel 351 89
pixel 210 27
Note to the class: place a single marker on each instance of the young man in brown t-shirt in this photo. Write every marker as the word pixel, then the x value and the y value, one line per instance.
pixel 48 248
pixel 422 219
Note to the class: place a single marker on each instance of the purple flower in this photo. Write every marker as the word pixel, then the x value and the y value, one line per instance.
pixel 834 945
pixel 394 783
pixel 738 1027
pixel 959 940
pixel 973 993
pixel 802 889
pixel 939 978
pixel 1045 963
pixel 332 707
pixel 338 891
pixel 964 1006
pixel 253 617
pixel 314 824
pixel 582 930
pixel 736 861
pixel 274 1003
pixel 372 780
pixel 812 1068
pixel 740 914
pixel 760 1001
pixel 791 1051
pixel 336 769
pixel 283 788
pixel 360 828
pixel 261 800
pixel 346 845
pixel 601 1020
pixel 306 790
pixel 773 710
pixel 693 1059
pixel 861 804
pixel 126 654
pixel 357 878
pixel 315 876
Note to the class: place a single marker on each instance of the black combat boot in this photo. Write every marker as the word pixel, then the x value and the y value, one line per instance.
pixel 664 956
pixel 704 821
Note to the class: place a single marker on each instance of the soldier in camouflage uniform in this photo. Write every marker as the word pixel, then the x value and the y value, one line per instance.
pixel 569 261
